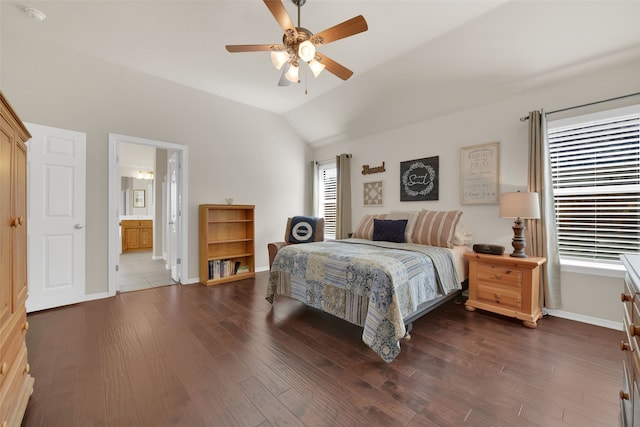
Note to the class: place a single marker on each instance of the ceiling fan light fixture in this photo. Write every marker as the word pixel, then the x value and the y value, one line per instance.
pixel 299 44
pixel 279 58
pixel 292 73
pixel 316 67
pixel 306 51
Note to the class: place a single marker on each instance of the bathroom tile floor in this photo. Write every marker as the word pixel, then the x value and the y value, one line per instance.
pixel 139 271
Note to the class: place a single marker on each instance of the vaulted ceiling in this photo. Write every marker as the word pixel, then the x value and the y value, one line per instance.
pixel 418 59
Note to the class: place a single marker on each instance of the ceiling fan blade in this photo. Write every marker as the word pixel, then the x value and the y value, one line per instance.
pixel 283 80
pixel 345 29
pixel 280 13
pixel 333 67
pixel 253 47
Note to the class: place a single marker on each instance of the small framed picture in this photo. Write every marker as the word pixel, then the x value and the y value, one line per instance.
pixel 373 193
pixel 139 198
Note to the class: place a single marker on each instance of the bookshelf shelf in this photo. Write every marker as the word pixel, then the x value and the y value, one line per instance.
pixel 227 249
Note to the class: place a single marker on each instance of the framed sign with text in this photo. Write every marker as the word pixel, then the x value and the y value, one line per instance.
pixel 480 171
pixel 419 179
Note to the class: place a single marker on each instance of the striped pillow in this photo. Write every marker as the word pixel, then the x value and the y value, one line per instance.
pixel 436 228
pixel 365 228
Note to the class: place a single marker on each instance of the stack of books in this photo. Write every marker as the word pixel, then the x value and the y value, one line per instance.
pixel 225 267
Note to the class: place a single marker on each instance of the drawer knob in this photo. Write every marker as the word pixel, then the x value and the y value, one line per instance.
pixel 626 297
pixel 25 327
pixel 624 346
pixel 634 330
pixel 27 368
pixel 497 297
pixel 624 395
pixel 4 368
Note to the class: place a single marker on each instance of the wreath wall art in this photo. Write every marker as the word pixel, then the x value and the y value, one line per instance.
pixel 419 179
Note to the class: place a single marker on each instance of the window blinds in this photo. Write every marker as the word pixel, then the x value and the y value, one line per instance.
pixel 328 198
pixel 595 168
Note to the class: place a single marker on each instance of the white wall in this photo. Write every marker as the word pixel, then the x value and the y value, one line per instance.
pixel 235 151
pixel 583 295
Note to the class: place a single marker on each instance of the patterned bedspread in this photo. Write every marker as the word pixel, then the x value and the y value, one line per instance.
pixel 371 284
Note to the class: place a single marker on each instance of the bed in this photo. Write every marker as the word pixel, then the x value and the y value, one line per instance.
pixel 381 286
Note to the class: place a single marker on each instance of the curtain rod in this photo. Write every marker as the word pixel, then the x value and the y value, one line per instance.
pixel 525 118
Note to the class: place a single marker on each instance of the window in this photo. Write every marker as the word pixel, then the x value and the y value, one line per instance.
pixel 327 197
pixel 595 172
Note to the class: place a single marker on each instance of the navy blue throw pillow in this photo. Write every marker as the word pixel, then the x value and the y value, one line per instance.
pixel 303 229
pixel 389 230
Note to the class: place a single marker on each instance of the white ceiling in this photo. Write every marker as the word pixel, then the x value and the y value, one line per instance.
pixel 417 60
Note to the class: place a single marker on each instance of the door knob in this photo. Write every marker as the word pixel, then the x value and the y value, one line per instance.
pixel 78 226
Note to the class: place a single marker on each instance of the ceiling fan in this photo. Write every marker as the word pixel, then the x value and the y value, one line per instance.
pixel 299 44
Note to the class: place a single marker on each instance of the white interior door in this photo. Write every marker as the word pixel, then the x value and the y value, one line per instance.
pixel 56 221
pixel 173 212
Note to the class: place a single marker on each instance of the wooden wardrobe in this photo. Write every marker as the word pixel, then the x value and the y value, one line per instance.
pixel 16 384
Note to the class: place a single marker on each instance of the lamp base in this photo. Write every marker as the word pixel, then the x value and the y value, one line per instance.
pixel 518 242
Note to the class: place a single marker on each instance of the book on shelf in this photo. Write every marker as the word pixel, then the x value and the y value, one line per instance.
pixel 224 268
pixel 243 269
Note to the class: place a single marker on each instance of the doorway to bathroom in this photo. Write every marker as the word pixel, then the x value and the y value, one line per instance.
pixel 147 232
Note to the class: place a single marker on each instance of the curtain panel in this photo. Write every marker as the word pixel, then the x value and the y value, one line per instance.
pixel 313 180
pixel 542 234
pixel 343 208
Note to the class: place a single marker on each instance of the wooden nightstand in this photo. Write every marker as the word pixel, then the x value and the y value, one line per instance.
pixel 505 285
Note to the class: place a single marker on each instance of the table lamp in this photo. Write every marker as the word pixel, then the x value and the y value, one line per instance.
pixel 519 205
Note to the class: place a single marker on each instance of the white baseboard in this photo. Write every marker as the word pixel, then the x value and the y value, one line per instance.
pixel 585 319
pixel 259 269
pixel 190 281
pixel 99 295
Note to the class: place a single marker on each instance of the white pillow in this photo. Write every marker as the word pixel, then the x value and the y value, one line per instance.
pixel 462 236
pixel 411 217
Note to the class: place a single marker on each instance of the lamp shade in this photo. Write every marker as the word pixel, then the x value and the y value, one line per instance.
pixel 306 51
pixel 316 67
pixel 279 58
pixel 292 73
pixel 519 205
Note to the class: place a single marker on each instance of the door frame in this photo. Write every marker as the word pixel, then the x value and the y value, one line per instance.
pixel 114 209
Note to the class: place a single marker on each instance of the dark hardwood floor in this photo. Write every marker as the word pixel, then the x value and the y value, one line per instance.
pixel 223 356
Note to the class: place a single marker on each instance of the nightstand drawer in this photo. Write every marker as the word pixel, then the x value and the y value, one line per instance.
pixel 505 296
pixel 499 275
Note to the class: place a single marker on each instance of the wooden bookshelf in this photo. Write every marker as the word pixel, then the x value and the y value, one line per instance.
pixel 226 243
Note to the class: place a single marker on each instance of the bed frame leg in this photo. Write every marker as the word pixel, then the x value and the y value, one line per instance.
pixel 409 328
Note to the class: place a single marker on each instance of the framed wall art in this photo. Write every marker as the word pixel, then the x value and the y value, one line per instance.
pixel 480 170
pixel 419 179
pixel 373 193
pixel 139 199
